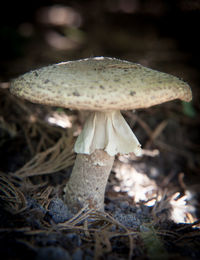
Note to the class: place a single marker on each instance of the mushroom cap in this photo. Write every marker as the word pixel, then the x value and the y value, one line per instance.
pixel 99 84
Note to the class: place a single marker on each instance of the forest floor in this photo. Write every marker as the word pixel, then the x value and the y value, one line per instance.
pixel 151 203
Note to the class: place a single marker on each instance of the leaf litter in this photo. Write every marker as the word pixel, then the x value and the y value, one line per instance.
pixel 130 227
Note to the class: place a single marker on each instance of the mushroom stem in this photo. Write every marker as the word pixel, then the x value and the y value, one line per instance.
pixel 104 135
pixel 86 187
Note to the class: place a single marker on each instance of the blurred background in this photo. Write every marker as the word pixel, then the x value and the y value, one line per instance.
pixel 159 34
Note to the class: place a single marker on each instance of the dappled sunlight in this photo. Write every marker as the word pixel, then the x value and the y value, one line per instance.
pixel 181 209
pixel 166 204
pixel 62 26
pixel 60 119
pixel 59 41
pixel 59 15
pixel 4 85
pixel 136 184
pixel 151 202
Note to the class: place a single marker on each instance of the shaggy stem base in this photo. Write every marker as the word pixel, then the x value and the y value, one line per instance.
pixel 87 183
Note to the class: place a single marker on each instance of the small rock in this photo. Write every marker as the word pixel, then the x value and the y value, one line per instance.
pixel 127 219
pixel 32 204
pixel 124 205
pixel 58 211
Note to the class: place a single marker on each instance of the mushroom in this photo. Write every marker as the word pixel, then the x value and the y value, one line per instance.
pixel 103 86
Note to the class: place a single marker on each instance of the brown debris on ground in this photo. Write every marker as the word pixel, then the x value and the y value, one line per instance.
pixel 152 203
pixel 140 215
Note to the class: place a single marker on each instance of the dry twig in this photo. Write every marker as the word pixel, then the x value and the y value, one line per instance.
pixel 54 159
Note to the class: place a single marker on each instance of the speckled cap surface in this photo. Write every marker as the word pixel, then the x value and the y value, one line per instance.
pixel 98 84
